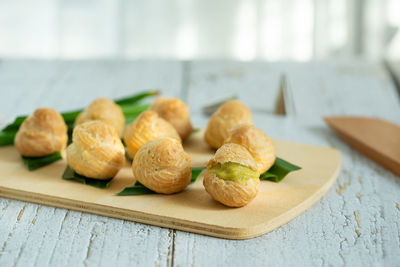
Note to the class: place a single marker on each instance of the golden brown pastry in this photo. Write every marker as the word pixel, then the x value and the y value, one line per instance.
pixel 230 114
pixel 175 112
pixel 260 146
pixel 96 150
pixel 231 176
pixel 105 110
pixel 41 134
pixel 163 166
pixel 147 127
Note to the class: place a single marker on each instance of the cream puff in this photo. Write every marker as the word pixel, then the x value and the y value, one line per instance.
pixel 231 176
pixel 41 134
pixel 105 110
pixel 175 112
pixel 147 127
pixel 260 146
pixel 163 166
pixel 96 150
pixel 227 116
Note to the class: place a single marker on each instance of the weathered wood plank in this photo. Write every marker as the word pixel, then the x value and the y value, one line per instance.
pixel 343 88
pixel 65 85
pixel 369 194
pixel 356 223
pixel 255 83
pixel 22 85
pixel 36 235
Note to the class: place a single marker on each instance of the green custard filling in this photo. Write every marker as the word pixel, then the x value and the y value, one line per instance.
pixel 234 172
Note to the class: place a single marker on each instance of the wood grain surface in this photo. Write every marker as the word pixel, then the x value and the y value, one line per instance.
pixel 193 209
pixel 355 224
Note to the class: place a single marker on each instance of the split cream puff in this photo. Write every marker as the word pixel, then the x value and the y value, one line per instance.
pixel 231 176
pixel 228 115
pixel 163 166
pixel 42 134
pixel 260 146
pixel 175 112
pixel 96 150
pixel 147 127
pixel 105 110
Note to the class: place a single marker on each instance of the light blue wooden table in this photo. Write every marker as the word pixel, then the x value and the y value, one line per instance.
pixel 356 224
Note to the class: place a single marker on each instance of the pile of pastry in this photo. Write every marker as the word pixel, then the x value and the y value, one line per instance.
pixel 154 143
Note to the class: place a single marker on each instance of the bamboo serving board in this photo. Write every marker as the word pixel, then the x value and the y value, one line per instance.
pixel 193 209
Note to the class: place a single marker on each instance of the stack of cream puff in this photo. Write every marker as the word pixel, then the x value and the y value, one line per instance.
pixel 154 142
pixel 244 152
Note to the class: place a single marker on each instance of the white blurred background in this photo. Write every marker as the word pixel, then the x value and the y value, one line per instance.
pixel 196 29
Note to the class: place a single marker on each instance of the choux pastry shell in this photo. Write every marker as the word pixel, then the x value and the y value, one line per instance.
pixel 105 110
pixel 175 112
pixel 229 192
pixel 147 127
pixel 163 166
pixel 221 122
pixel 41 134
pixel 96 150
pixel 260 146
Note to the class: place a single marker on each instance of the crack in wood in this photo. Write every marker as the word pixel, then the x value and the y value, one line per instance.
pixel 74 234
pixel 171 248
pixel 357 216
pixel 21 212
pixel 91 238
pixel 19 255
pixel 342 188
pixel 36 214
pixel 358 232
pixel 58 234
pixel 41 244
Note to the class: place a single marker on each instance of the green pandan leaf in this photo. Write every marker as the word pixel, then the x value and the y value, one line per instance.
pixel 14 126
pixel 279 170
pixel 128 158
pixel 136 98
pixel 135 190
pixel 70 126
pixel 195 174
pixel 133 110
pixel 128 104
pixel 139 189
pixel 7 137
pixel 70 116
pixel 70 174
pixel 131 118
pixel 34 163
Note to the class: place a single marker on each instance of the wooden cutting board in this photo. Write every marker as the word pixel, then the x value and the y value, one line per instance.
pixel 375 138
pixel 193 209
